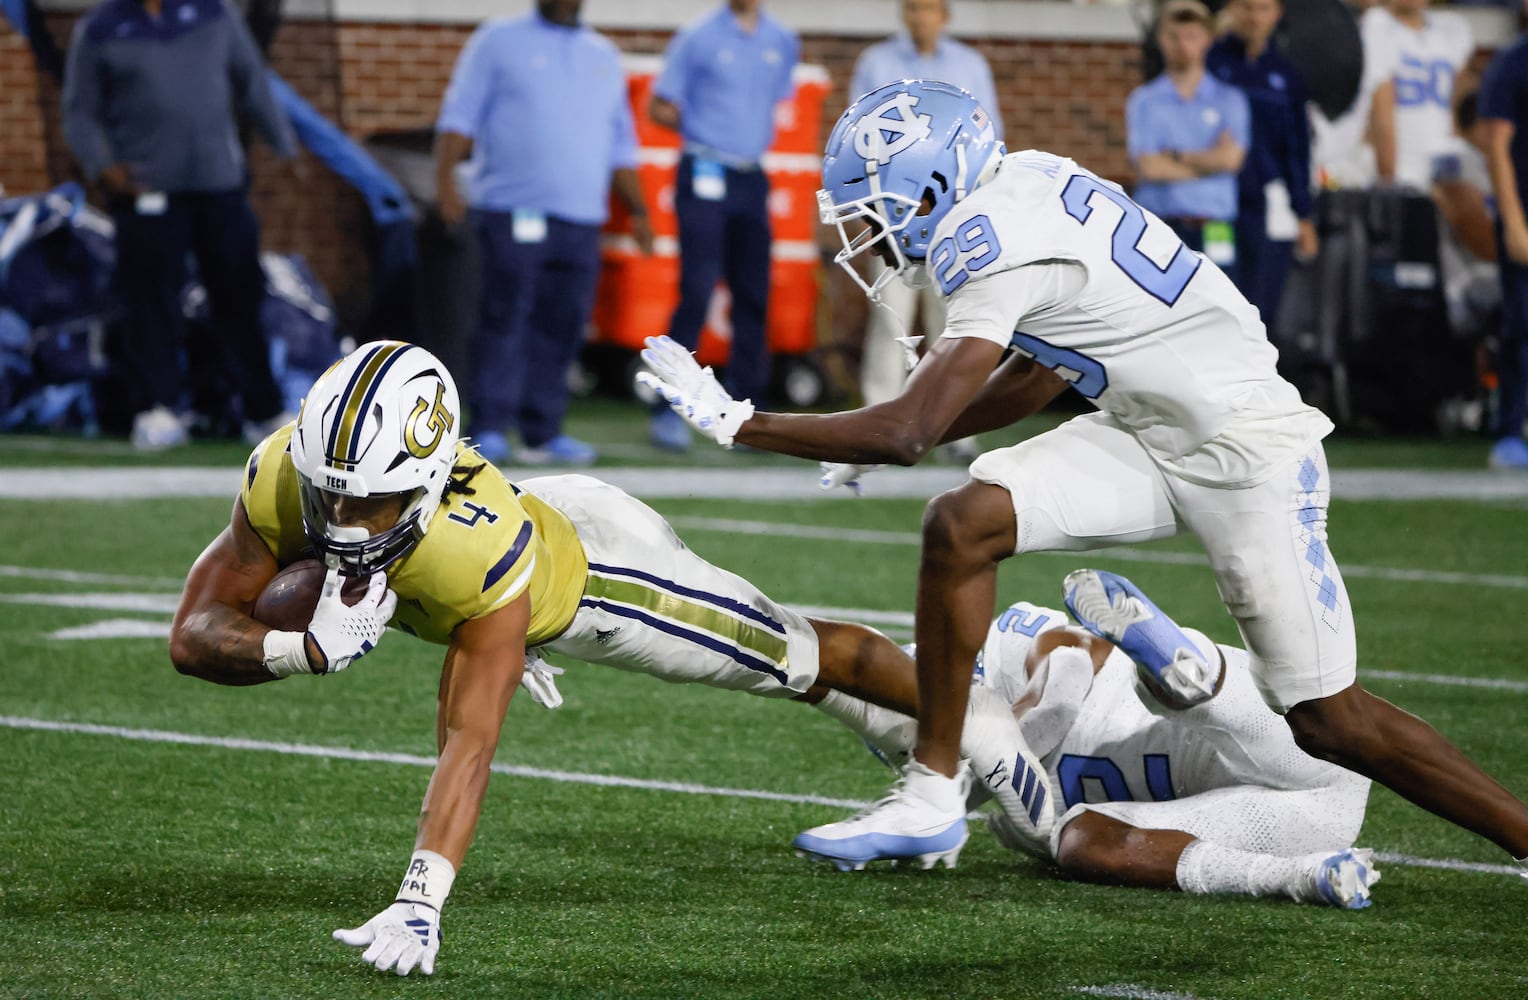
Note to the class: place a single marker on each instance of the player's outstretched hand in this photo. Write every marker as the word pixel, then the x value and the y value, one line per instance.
pixel 343 633
pixel 401 937
pixel 836 474
pixel 692 391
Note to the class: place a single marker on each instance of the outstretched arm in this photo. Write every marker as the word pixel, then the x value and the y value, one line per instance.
pixel 482 670
pixel 900 431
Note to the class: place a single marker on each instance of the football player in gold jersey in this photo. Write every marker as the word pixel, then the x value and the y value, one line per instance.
pixel 373 479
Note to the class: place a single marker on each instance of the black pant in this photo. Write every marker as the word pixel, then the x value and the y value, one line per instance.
pixel 1512 353
pixel 536 301
pixel 1262 265
pixel 220 229
pixel 726 238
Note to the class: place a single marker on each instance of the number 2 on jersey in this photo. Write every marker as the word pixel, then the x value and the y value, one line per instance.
pixel 1163 284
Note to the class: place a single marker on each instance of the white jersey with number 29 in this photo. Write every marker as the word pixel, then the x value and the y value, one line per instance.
pixel 1063 266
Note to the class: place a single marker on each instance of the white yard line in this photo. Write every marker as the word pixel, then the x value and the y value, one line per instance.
pixel 1130 991
pixel 777 529
pixel 147 603
pixel 411 760
pixel 75 576
pixel 898 624
pixel 727 481
pixel 545 774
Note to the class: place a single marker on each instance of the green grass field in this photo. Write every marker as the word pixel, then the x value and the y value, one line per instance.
pixel 132 865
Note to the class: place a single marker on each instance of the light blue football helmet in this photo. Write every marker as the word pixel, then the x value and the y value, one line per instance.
pixel 892 148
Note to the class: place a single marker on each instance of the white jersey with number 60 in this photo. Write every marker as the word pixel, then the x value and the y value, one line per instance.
pixel 1061 265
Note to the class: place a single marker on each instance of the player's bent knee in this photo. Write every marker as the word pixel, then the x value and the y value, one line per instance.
pixel 1089 843
pixel 975 519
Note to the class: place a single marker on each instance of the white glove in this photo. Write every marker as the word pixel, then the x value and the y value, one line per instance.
pixel 539 680
pixel 836 474
pixel 343 633
pixel 692 391
pixel 407 934
pixel 403 935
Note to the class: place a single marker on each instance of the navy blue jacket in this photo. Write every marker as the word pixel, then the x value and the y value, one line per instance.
pixel 164 95
pixel 1280 129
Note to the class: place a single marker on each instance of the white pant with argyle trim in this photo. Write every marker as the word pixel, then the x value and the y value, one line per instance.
pixel 1089 484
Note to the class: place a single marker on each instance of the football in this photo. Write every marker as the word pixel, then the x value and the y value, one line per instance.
pixel 287 602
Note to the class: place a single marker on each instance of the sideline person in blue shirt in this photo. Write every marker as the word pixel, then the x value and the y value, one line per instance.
pixel 1504 107
pixel 152 92
pixel 1187 134
pixel 722 77
pixel 1279 154
pixel 921 52
pixel 541 103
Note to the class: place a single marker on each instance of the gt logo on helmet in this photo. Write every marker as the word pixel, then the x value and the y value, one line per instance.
pixel 440 420
pixel 880 138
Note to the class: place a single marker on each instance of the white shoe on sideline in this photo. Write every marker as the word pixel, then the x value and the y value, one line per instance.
pixel 158 429
pixel 256 431
pixel 924 817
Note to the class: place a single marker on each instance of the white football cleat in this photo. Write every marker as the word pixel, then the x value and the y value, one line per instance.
pixel 1110 606
pixel 1003 765
pixel 923 818
pixel 1344 879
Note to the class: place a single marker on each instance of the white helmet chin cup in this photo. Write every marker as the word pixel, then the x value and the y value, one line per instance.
pixel 343 536
pixel 383 421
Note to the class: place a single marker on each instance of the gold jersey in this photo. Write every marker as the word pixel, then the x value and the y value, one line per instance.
pixel 481 551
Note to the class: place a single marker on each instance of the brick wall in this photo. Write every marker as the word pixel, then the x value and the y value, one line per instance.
pixel 369 77
pixel 23 150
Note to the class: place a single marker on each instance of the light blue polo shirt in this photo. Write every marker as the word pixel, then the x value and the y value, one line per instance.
pixel 1157 120
pixel 547 109
pixel 727 81
pixel 897 58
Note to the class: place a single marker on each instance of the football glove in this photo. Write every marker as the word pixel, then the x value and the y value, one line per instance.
pixel 407 933
pixel 345 633
pixel 539 680
pixel 692 391
pixel 836 474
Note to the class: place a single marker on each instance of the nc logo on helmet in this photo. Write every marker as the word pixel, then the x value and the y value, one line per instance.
pixel 880 137
pixel 436 418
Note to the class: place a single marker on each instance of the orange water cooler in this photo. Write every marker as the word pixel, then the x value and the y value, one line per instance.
pixel 637 294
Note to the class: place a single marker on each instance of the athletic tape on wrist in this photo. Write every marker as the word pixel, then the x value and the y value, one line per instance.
pixel 286 653
pixel 731 420
pixel 427 881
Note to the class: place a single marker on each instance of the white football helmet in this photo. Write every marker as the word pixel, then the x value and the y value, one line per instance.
pixel 383 421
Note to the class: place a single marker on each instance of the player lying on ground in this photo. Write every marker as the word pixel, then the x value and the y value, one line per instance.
pixel 1211 798
pixel 1055 278
pixel 372 477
